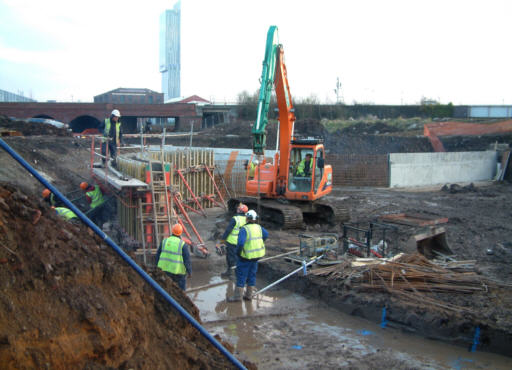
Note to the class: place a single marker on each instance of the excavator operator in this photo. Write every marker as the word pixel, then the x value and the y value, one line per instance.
pixel 304 167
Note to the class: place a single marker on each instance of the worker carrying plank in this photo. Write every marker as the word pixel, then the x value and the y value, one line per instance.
pixel 230 239
pixel 250 248
pixel 173 257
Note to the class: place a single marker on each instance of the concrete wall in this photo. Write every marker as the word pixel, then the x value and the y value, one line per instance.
pixel 419 169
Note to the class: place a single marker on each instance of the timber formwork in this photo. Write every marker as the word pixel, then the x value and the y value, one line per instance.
pixel 179 182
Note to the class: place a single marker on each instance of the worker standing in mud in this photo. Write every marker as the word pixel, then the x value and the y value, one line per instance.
pixel 250 248
pixel 230 238
pixel 173 257
pixel 112 134
pixel 94 196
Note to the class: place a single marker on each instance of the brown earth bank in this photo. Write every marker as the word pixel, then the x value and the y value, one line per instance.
pixel 32 128
pixel 69 302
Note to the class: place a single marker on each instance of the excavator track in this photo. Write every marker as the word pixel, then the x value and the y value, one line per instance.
pixel 339 213
pixel 285 216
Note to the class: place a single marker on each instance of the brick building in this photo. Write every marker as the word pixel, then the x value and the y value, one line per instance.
pixel 130 96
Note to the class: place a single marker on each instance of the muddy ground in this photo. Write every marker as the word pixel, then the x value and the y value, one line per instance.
pixel 479 219
pixel 69 302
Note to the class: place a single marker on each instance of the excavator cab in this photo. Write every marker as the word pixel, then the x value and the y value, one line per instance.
pixel 302 167
pixel 308 176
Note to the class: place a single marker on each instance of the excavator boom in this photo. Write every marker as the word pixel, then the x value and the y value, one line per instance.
pixel 297 177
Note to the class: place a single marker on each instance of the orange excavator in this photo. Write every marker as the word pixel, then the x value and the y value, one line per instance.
pixel 286 191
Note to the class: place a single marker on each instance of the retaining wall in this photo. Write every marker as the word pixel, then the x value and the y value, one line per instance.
pixel 420 169
pixel 403 169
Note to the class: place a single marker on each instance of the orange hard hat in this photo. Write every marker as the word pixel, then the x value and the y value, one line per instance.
pixel 46 193
pixel 84 185
pixel 177 229
pixel 242 208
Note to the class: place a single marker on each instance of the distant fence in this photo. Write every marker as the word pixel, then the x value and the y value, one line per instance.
pixel 393 170
pixel 359 170
pixel 348 170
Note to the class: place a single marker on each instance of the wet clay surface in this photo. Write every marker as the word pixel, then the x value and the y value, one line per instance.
pixel 69 302
pixel 285 330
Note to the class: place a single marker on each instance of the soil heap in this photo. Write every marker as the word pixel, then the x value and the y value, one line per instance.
pixel 69 302
pixel 32 128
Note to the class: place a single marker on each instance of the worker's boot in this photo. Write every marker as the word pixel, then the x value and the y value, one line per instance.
pixel 237 297
pixel 226 274
pixel 248 293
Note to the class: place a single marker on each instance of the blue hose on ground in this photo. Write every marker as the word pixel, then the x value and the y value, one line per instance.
pixel 123 255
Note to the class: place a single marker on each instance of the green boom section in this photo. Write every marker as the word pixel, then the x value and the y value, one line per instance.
pixel 267 82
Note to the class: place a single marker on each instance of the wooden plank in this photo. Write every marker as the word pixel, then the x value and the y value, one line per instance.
pixel 10 133
pixel 413 219
pixel 118 183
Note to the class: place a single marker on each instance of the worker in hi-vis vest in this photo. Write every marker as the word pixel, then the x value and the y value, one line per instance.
pixel 51 199
pixel 112 134
pixel 250 248
pixel 94 196
pixel 230 238
pixel 173 257
pixel 304 167
pixel 66 214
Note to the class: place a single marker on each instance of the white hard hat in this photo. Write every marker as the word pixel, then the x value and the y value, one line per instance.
pixel 251 215
pixel 116 113
pixel 255 162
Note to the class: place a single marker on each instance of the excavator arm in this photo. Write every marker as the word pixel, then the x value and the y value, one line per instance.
pixel 267 83
pixel 274 75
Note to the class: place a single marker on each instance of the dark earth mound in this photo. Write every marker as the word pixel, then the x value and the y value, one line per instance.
pixel 69 302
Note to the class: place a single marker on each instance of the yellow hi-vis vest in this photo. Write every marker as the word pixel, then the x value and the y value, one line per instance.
pixel 171 258
pixel 107 129
pixel 65 213
pixel 233 236
pixel 96 197
pixel 301 169
pixel 254 246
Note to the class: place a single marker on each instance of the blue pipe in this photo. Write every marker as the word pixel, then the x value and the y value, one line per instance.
pixel 123 255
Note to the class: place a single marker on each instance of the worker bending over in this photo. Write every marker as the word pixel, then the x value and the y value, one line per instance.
pixel 304 167
pixel 173 257
pixel 250 248
pixel 51 199
pixel 230 238
pixel 94 196
pixel 67 214
pixel 112 134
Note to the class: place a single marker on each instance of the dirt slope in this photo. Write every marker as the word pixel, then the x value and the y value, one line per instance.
pixel 68 302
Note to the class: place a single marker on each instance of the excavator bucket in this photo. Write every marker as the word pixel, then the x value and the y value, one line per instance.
pixel 430 242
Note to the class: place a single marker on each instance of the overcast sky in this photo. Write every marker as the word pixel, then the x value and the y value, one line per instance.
pixel 384 52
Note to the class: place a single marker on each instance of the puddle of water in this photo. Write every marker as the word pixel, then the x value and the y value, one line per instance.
pixel 280 311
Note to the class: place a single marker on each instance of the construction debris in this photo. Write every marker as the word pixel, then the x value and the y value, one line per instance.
pixel 407 276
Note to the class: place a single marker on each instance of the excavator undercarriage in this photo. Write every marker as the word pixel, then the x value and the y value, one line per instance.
pixel 289 214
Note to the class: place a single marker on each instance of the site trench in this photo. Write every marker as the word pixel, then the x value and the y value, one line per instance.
pixel 303 321
pixel 298 324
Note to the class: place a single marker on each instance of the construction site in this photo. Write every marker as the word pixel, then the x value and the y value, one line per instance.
pixel 416 277
pixel 388 247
